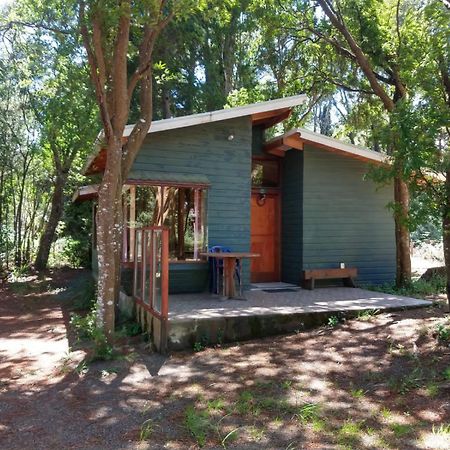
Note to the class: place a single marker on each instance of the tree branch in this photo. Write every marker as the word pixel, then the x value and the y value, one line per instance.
pixel 119 94
pixel 97 73
pixel 360 57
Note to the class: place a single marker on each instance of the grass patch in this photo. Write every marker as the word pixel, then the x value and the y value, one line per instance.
pixel 358 393
pixel 216 405
pixel 401 429
pixel 446 373
pixel 349 435
pixel 198 424
pixel 147 429
pixel 230 436
pixel 407 383
pixel 255 433
pixel 432 389
pixel 367 315
pixel 439 437
pixel 418 288
pixel 385 413
pixel 443 429
pixel 308 412
pixel 318 425
pixel 245 403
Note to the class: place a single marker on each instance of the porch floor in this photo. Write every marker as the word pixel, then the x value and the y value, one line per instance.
pixel 260 302
pixel 205 318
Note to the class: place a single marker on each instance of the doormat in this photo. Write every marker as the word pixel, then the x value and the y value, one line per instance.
pixel 280 290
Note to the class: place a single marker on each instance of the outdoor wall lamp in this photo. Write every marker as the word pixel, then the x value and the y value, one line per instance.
pixel 261 197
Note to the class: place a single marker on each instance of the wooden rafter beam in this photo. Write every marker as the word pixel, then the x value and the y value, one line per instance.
pixel 84 193
pixel 270 118
pixel 279 146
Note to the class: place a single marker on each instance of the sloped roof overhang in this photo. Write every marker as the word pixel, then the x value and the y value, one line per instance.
pixel 264 114
pixel 297 138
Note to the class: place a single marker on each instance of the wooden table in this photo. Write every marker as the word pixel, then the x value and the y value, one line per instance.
pixel 229 264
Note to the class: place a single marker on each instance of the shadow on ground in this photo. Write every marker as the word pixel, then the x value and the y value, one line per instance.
pixel 375 383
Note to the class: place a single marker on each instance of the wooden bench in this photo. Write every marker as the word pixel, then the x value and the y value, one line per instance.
pixel 347 275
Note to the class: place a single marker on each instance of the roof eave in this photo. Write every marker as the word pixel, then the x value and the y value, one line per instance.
pixel 298 137
pixel 260 112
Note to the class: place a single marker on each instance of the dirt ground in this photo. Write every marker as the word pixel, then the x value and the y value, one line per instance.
pixel 375 382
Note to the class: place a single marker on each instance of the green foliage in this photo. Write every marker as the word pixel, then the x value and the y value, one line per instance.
pixel 417 288
pixel 333 321
pixel 75 234
pixel 358 393
pixel 432 389
pixel 83 296
pixel 443 333
pixel 49 127
pixel 308 412
pixel 401 429
pixel 367 314
pixel 197 423
pixel 202 344
pixel 404 384
pixel 86 328
pixel 147 429
pixel 446 373
pixel 129 328
pixel 349 434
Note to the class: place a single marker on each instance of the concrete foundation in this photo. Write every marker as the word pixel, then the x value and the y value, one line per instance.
pixel 207 319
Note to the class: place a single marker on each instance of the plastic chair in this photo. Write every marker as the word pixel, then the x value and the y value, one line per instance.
pixel 216 269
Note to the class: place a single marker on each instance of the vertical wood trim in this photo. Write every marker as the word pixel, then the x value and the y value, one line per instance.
pixel 162 206
pixel 136 268
pixel 165 274
pixel 125 228
pixel 151 272
pixel 196 221
pixel 143 262
pixel 132 229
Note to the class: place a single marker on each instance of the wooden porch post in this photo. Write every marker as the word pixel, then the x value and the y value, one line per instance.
pixel 132 227
pixel 164 290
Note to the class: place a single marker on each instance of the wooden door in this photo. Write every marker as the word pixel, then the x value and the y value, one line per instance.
pixel 265 238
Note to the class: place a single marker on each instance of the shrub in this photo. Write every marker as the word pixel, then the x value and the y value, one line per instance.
pixel 86 328
pixel 83 296
pixel 417 288
pixel 443 333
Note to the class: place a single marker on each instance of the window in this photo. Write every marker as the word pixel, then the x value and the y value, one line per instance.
pixel 265 173
pixel 181 209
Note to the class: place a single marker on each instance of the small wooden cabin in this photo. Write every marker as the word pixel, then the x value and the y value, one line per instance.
pixel 301 200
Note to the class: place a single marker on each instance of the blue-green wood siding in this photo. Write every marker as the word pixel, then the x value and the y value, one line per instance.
pixel 205 150
pixel 188 277
pixel 346 218
pixel 257 141
pixel 291 216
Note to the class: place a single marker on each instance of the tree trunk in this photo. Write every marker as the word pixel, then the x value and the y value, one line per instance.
pixel 446 233
pixel 402 236
pixel 165 103
pixel 109 237
pixel 48 235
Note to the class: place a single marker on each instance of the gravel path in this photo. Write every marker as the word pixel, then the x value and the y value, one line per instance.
pixel 46 403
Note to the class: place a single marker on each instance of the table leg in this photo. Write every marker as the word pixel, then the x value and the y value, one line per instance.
pixel 241 271
pixel 228 271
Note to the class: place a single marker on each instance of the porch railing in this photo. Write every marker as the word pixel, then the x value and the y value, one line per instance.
pixel 151 277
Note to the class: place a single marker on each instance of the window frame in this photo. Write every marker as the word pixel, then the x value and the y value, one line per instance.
pixel 199 226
